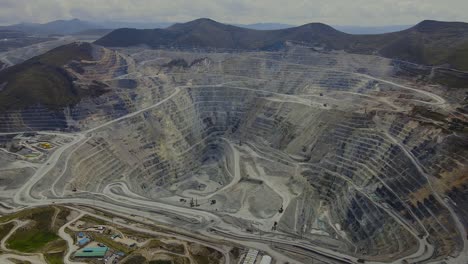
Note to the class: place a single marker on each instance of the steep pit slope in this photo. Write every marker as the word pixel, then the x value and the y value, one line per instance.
pixel 349 152
pixel 429 42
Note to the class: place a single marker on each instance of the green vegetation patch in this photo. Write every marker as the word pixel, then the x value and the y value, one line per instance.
pixel 36 235
pixel 24 214
pixel 30 240
pixel 5 229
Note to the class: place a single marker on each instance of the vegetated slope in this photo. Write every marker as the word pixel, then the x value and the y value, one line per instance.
pixel 40 233
pixel 429 42
pixel 43 80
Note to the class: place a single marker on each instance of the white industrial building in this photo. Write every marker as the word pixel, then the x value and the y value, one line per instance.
pixel 266 260
pixel 251 256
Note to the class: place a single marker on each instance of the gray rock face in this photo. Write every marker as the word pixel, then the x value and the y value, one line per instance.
pixel 335 148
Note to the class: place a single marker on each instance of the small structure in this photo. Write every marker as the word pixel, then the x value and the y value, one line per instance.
pixel 91 252
pixel 83 241
pixel 80 235
pixel 266 260
pixel 251 256
pixel 45 145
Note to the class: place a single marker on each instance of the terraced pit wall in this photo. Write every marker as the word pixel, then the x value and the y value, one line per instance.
pixel 373 172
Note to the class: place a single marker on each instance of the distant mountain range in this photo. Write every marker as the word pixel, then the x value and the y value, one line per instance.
pixel 429 42
pixel 346 29
pixel 77 26
pixel 54 27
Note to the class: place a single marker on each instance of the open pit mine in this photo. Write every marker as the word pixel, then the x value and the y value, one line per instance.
pixel 305 155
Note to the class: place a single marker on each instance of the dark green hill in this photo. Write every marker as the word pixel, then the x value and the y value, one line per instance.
pixel 429 42
pixel 206 33
pixel 42 80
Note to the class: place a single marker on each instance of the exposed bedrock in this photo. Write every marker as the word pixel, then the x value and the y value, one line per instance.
pixel 346 156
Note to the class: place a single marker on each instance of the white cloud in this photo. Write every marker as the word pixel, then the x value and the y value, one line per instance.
pixel 337 12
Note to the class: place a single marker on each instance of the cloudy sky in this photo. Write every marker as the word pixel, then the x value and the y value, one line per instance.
pixel 335 12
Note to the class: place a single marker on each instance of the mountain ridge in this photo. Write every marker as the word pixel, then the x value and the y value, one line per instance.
pixel 76 26
pixel 429 42
pixel 53 27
